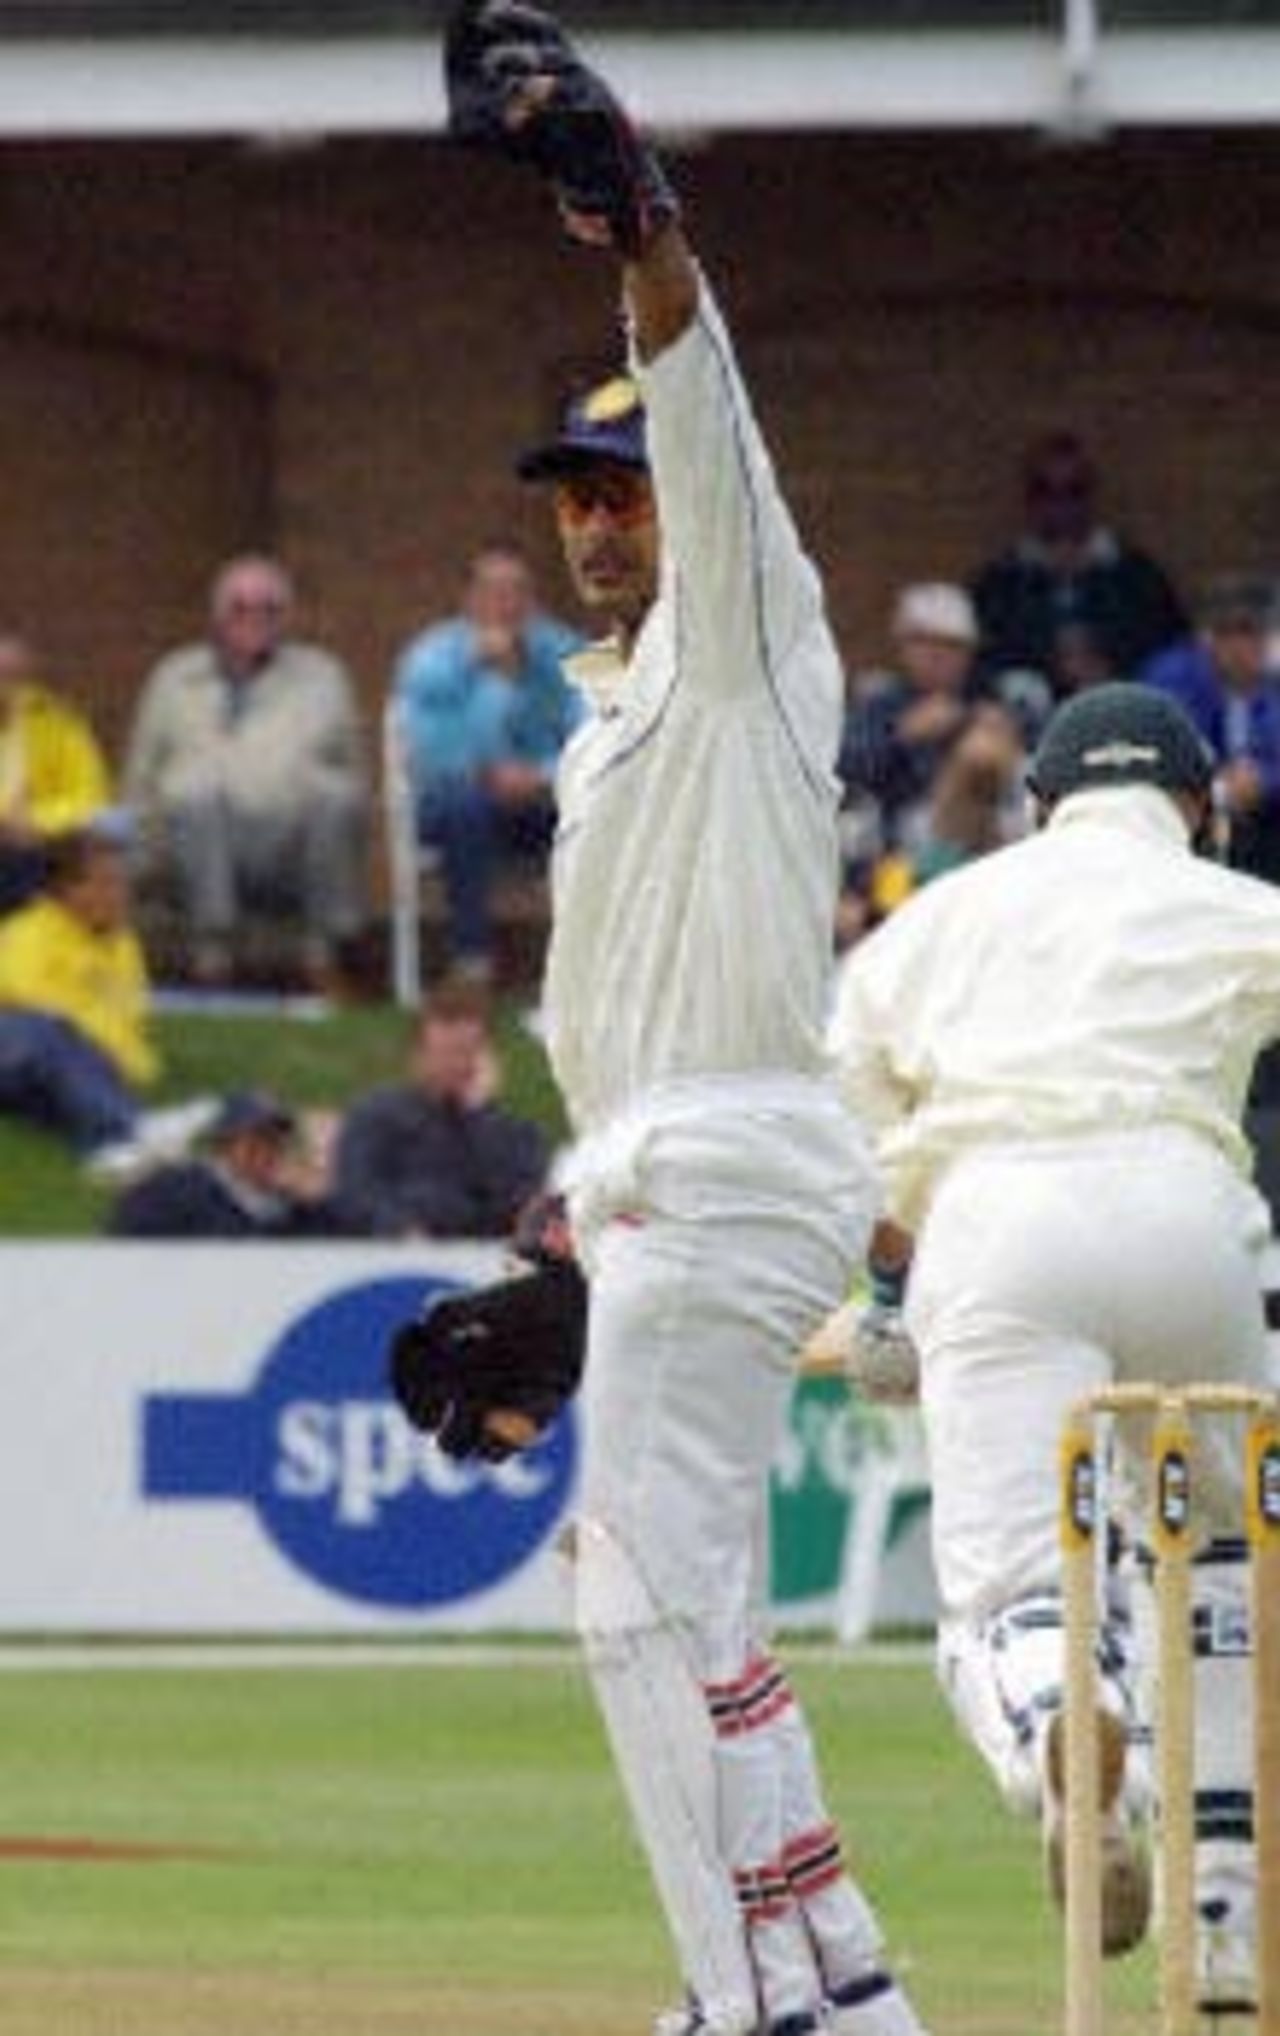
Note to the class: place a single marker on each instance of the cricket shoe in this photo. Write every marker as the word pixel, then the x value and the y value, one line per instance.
pixel 872 2005
pixel 1125 1862
pixel 1226 1982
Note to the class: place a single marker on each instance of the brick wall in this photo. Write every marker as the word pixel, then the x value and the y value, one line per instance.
pixel 335 351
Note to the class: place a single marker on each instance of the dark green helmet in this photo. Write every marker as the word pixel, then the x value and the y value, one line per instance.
pixel 1121 734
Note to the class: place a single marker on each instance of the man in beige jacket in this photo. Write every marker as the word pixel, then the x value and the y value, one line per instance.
pixel 246 774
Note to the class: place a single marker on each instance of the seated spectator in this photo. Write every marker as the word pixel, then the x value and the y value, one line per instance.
pixel 978 801
pixel 436 1156
pixel 1224 680
pixel 75 1049
pixel 255 1180
pixel 52 775
pixel 902 722
pixel 246 774
pixel 486 711
pixel 1068 567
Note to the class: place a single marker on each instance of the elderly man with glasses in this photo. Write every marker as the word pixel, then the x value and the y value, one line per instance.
pixel 247 777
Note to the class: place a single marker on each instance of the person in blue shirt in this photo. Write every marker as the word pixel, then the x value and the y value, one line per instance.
pixel 486 710
pixel 1227 681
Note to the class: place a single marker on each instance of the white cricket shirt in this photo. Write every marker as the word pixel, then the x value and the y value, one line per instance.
pixel 1095 976
pixel 695 865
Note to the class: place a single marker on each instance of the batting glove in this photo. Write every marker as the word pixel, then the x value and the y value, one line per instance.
pixel 517 86
pixel 883 1362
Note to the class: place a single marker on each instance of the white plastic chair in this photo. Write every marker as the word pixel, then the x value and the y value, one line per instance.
pixel 408 860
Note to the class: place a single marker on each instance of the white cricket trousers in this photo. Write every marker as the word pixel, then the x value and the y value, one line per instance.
pixel 1042 1271
pixel 719 1224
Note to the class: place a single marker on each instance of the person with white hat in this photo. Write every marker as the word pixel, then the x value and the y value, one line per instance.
pixel 903 726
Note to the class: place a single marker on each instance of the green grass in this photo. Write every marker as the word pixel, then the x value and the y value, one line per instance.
pixel 421 1833
pixel 312 1061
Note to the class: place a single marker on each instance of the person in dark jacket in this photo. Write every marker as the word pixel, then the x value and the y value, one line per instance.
pixel 437 1156
pixel 253 1182
pixel 1068 568
pixel 1227 681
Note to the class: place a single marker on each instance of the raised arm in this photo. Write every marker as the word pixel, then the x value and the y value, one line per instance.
pixel 662 292
pixel 518 87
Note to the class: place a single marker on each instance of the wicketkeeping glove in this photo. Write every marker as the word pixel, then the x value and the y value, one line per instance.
pixel 517 86
pixel 485 1372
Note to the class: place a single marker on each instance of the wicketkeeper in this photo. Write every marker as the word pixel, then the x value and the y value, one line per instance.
pixel 719 1196
pixel 1055 1045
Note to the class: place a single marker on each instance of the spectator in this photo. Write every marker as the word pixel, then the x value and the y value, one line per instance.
pixel 255 1181
pixel 979 795
pixel 246 771
pixel 903 721
pixel 436 1156
pixel 52 775
pixel 75 1050
pixel 1068 568
pixel 1223 679
pixel 901 724
pixel 486 710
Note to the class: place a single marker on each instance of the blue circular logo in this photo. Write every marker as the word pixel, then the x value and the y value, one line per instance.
pixel 346 1488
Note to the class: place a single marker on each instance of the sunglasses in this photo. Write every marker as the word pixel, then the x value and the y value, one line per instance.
pixel 625 499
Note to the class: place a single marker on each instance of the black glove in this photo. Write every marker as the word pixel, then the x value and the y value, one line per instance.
pixel 485 1372
pixel 516 85
pixel 542 1234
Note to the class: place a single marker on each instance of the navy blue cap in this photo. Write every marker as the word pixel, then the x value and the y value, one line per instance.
pixel 251 1110
pixel 1122 733
pixel 606 423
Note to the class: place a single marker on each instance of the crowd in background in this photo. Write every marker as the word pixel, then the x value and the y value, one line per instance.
pixel 246 787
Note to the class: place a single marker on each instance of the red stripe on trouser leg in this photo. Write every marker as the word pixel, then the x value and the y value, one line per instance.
pixel 813 1861
pixel 845 1934
pixel 750 1809
pixel 763 1894
pixel 788 1979
pixel 752 1701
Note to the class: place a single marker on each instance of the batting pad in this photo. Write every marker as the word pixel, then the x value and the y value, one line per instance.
pixel 1223 1703
pixel 660 1733
pixel 1003 1678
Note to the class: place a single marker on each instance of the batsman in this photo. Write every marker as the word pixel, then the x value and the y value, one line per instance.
pixel 718 1198
pixel 1055 1046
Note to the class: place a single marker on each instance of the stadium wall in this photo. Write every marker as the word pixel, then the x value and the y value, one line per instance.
pixel 333 350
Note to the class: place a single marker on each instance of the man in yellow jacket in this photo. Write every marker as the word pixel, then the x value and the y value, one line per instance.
pixel 75 1048
pixel 53 777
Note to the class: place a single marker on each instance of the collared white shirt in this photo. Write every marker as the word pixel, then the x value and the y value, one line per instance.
pixel 1093 977
pixel 695 867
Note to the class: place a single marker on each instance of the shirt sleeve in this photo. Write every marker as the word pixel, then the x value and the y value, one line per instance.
pixel 441 700
pixel 148 742
pixel 747 594
pixel 71 780
pixel 860 1040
